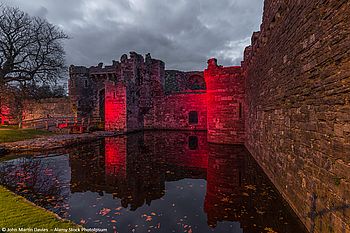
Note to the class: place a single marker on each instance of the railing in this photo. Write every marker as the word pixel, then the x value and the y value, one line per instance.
pixel 52 123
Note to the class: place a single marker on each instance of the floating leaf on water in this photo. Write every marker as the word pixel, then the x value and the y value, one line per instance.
pixel 260 212
pixel 251 187
pixel 270 230
pixel 104 211
pixel 225 199
pixel 82 221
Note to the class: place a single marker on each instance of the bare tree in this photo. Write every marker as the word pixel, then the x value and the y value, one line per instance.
pixel 30 48
pixel 31 54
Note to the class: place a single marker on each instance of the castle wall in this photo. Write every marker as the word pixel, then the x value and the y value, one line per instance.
pixel 119 94
pixel 115 104
pixel 173 112
pixel 134 114
pixel 53 107
pixel 81 91
pixel 298 116
pixel 225 99
pixel 179 81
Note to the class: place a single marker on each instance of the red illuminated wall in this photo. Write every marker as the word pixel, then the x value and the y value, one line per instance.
pixel 3 118
pixel 225 100
pixel 172 111
pixel 130 106
pixel 115 104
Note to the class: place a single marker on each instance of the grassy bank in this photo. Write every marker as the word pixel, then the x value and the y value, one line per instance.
pixel 16 212
pixel 12 134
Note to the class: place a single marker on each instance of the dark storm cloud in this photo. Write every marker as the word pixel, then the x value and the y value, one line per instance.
pixel 183 33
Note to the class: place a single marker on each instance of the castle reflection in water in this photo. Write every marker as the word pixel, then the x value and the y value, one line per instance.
pixel 177 174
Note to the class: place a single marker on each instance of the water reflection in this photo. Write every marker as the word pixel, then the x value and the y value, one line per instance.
pixel 40 180
pixel 154 182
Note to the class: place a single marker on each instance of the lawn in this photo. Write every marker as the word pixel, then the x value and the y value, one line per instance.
pixel 17 212
pixel 12 134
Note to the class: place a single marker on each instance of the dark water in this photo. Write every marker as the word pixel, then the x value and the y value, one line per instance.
pixel 154 182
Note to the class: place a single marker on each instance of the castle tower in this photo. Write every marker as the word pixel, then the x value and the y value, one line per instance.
pixel 225 96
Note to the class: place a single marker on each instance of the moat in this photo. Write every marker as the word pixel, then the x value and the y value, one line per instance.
pixel 154 182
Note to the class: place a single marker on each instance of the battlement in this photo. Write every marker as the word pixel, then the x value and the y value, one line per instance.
pixel 134 59
pixel 213 68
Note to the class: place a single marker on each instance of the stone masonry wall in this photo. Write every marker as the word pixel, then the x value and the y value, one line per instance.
pixel 225 99
pixel 54 107
pixel 173 112
pixel 298 98
pixel 121 106
pixel 115 116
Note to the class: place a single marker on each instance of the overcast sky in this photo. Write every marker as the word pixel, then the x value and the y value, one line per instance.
pixel 182 33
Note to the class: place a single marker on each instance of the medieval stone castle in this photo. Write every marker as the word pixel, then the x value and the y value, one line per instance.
pixel 288 103
pixel 137 93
